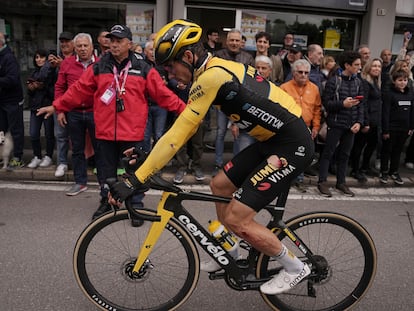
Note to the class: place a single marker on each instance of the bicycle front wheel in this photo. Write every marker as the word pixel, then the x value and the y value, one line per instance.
pixel 346 254
pixel 106 252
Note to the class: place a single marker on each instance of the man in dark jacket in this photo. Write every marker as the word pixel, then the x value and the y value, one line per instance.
pixel 344 106
pixel 11 101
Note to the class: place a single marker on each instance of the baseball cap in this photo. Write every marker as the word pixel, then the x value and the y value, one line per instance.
pixel 120 31
pixel 66 35
pixel 295 48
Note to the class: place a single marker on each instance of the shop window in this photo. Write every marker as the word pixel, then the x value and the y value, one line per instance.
pixel 93 16
pixel 400 26
pixel 334 34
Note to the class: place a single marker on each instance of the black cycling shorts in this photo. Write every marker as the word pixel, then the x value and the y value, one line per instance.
pixel 259 183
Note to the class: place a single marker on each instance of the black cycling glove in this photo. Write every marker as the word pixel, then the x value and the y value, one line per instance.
pixel 121 190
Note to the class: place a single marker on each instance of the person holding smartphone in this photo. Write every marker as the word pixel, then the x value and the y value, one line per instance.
pixel 345 118
pixel 40 92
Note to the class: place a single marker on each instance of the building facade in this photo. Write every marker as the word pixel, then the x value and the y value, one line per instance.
pixel 336 25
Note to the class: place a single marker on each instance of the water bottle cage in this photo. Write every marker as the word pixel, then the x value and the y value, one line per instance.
pixel 225 237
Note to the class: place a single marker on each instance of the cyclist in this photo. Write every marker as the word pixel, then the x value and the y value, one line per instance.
pixel 259 173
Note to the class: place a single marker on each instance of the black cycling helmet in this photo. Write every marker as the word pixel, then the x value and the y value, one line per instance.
pixel 174 37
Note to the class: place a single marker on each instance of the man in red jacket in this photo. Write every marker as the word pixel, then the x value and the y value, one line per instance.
pixel 78 121
pixel 119 83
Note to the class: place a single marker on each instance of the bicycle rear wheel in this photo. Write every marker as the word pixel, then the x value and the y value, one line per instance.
pixel 344 249
pixel 105 254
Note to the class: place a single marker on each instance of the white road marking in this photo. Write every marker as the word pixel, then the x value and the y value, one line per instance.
pixel 380 194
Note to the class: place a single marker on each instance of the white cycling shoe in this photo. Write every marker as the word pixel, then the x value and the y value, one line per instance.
pixel 209 266
pixel 284 281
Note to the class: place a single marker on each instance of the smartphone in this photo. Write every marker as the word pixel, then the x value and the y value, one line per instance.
pixel 53 52
pixel 409 36
pixel 359 97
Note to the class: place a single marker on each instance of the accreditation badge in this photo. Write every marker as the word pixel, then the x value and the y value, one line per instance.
pixel 108 95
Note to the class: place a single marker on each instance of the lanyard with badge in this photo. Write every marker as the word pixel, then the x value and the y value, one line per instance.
pixel 119 91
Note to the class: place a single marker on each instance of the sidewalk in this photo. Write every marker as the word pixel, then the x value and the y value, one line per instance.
pixel 168 173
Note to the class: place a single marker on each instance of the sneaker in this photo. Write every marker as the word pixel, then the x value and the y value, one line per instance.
pixel 14 164
pixel 76 189
pixel 103 208
pixel 409 165
pixel 179 176
pixel 397 179
pixel 46 162
pixel 300 186
pixel 61 170
pixel 34 163
pixel 284 281
pixel 384 178
pixel 358 175
pixel 198 174
pixel 216 170
pixel 324 189
pixel 209 266
pixel 345 190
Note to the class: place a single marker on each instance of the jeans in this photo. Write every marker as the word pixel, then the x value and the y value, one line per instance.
pixel 156 123
pixel 36 123
pixel 222 121
pixel 11 119
pixel 346 139
pixel 62 142
pixel 112 152
pixel 242 141
pixel 78 123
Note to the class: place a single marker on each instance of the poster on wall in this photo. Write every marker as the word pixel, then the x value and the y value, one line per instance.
pixel 140 21
pixel 332 39
pixel 251 24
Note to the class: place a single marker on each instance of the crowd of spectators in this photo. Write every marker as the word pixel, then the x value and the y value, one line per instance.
pixel 359 108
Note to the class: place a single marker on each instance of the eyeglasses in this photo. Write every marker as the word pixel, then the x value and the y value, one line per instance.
pixel 302 72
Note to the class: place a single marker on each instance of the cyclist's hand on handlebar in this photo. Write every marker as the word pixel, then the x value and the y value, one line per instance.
pixel 121 190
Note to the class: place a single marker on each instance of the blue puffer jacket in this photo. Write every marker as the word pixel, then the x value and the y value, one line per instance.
pixel 338 88
pixel 11 91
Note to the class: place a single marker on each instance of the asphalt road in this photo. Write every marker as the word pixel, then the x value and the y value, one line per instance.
pixel 39 226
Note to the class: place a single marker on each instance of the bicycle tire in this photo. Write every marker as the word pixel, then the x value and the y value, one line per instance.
pixel 105 254
pixel 351 263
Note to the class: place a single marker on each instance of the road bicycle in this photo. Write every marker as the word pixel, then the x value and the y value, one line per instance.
pixel 156 265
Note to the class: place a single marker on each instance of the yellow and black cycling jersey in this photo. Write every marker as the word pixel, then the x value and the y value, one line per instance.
pixel 251 102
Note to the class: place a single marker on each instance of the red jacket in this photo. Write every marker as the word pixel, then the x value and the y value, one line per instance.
pixel 70 71
pixel 142 81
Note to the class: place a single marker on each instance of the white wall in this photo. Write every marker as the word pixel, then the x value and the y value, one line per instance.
pixel 405 8
pixel 377 30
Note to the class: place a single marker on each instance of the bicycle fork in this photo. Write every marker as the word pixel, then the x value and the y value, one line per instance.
pixel 154 233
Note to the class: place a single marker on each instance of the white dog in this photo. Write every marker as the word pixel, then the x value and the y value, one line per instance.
pixel 6 148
